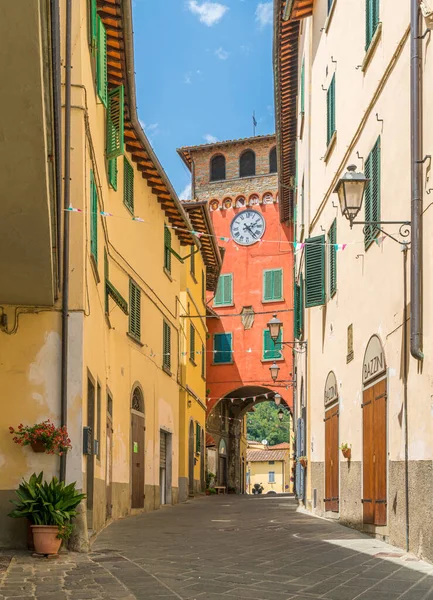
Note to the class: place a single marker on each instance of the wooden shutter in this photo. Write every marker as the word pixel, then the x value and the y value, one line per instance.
pixel 166 343
pixel 115 122
pixel 368 491
pixel 301 306
pixel 330 110
pixel 197 437
pixel 134 310
pixel 330 3
pixel 106 278
pixel 101 63
pixel 296 311
pixel 315 271
pixel 192 342
pixel 93 217
pixel 303 87
pixel 271 351
pixel 93 21
pixel 267 285
pixel 372 192
pixel 112 172
pixel 167 248
pixel 278 284
pixel 224 293
pixel 203 361
pixel 128 185
pixel 273 284
pixel 332 240
pixel 222 348
pixel 371 20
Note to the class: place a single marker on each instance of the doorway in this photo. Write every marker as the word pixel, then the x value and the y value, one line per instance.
pixel 191 459
pixel 109 460
pixel 332 460
pixel 90 459
pixel 202 463
pixel 137 449
pixel 163 466
pixel 222 464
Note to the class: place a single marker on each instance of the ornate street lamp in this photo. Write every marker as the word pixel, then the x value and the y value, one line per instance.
pixel 350 190
pixel 277 399
pixel 281 414
pixel 274 370
pixel 274 326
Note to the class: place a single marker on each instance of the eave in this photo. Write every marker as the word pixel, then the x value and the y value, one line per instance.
pixel 298 9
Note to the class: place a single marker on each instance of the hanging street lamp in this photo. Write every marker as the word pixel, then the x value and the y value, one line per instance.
pixel 274 326
pixel 281 414
pixel 274 370
pixel 277 399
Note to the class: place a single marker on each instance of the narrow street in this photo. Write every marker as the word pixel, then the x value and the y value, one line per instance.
pixel 225 547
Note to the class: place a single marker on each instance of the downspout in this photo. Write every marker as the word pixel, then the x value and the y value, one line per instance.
pixel 66 196
pixel 55 59
pixel 416 184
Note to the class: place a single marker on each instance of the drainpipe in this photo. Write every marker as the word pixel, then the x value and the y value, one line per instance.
pixel 57 106
pixel 66 196
pixel 416 184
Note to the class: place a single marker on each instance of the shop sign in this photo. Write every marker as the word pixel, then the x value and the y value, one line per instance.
pixel 374 360
pixel 331 390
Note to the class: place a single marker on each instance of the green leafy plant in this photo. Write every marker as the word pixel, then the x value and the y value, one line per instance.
pixel 47 503
pixel 54 439
pixel 302 458
pixel 209 478
pixel 212 490
pixel 345 447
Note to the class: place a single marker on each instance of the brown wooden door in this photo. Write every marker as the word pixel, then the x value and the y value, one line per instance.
pixel 374 454
pixel 137 461
pixel 109 469
pixel 332 462
pixel 191 459
pixel 90 474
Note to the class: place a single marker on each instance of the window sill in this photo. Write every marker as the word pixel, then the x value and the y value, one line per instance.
pixel 372 47
pixel 223 305
pixel 329 17
pixel 221 364
pixel 167 272
pixel 134 339
pixel 330 147
pixel 167 370
pixel 95 268
pixel 273 300
pixel 271 360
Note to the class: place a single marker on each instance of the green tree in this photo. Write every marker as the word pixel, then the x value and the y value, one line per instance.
pixel 264 424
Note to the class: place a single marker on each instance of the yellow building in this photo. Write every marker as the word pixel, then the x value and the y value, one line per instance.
pixel 268 466
pixel 94 344
pixel 200 273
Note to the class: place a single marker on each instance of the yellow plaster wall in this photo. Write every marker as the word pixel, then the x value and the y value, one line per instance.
pixel 259 473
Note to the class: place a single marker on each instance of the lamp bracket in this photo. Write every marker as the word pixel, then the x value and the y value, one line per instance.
pixel 404 229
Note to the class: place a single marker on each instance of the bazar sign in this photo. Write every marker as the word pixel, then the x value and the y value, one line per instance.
pixel 374 360
pixel 331 392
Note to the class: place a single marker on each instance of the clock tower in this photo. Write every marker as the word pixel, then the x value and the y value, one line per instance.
pixel 238 180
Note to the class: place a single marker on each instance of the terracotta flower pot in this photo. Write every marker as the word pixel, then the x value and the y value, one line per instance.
pixel 45 539
pixel 38 446
pixel 303 462
pixel 347 453
pixel 207 492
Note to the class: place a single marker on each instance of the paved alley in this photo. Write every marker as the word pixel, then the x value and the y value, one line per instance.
pixel 220 548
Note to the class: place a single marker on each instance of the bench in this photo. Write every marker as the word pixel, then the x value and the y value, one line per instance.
pixel 221 489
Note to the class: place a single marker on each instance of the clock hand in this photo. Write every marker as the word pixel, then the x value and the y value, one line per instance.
pixel 251 231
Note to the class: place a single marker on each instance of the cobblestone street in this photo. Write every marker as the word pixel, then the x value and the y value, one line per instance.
pixel 224 547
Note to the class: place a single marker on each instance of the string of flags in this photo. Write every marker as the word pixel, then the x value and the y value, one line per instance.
pixel 297 245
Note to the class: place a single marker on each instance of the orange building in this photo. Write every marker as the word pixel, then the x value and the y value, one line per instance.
pixel 239 180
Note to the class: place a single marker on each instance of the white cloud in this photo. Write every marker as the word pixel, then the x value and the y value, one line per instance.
pixel 187 78
pixel 208 13
pixel 151 130
pixel 221 53
pixel 185 194
pixel 210 139
pixel 264 13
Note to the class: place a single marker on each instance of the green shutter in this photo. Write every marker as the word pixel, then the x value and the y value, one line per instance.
pixel 197 437
pixel 112 172
pixel 372 193
pixel 303 87
pixel 224 293
pixel 271 350
pixel 296 311
pixel 93 25
pixel 93 217
pixel 101 63
pixel 332 240
pixel 301 307
pixel 330 3
pixel 315 271
pixel 371 20
pixel 273 284
pixel 267 285
pixel 203 361
pixel 166 346
pixel 192 342
pixel 134 310
pixel 106 278
pixel 330 111
pixel 128 185
pixel 222 348
pixel 192 269
pixel 167 248
pixel 115 122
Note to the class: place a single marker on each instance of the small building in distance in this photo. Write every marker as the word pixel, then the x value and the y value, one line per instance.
pixel 269 466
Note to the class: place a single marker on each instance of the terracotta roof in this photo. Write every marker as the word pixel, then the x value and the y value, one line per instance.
pixel 266 455
pixel 185 151
pixel 283 446
pixel 199 216
pixel 209 440
pixel 117 18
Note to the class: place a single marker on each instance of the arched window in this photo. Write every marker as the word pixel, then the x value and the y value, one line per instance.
pixel 273 160
pixel 137 402
pixel 247 164
pixel 218 168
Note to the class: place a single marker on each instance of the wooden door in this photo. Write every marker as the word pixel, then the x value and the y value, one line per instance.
pixel 109 469
pixel 163 467
pixel 137 460
pixel 332 461
pixel 222 471
pixel 191 459
pixel 374 454
pixel 90 475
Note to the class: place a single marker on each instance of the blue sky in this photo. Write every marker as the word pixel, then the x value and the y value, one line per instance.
pixel 202 67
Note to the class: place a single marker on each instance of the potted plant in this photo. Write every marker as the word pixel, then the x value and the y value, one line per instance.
pixel 50 507
pixel 346 450
pixel 210 479
pixel 231 490
pixel 42 437
pixel 210 491
pixel 303 461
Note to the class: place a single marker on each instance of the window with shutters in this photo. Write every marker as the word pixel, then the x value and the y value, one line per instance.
pixel 330 112
pixel 134 310
pixel 166 347
pixel 224 293
pixel 271 350
pixel 167 249
pixel 332 257
pixel 272 285
pixel 115 122
pixel 218 168
pixel 315 271
pixel 192 343
pixel 203 361
pixel 372 193
pixel 299 309
pixel 330 3
pixel 128 186
pixel 302 93
pixel 197 438
pixel 247 164
pixel 93 218
pixel 101 62
pixel 93 25
pixel 222 348
pixel 112 173
pixel 273 160
pixel 203 287
pixel 192 264
pixel 371 20
pixel 106 278
pixel 271 477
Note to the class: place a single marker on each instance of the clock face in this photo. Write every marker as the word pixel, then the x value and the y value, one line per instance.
pixel 248 227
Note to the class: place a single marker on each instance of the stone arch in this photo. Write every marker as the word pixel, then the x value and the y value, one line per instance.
pixel 137 398
pixel 374 363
